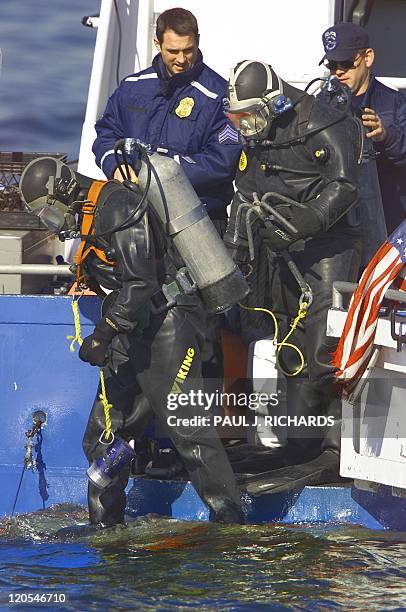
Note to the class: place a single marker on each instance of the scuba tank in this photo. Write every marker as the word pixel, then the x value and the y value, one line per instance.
pixel 186 221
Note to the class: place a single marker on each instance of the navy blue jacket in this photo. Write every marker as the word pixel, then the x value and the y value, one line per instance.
pixel 390 105
pixel 181 116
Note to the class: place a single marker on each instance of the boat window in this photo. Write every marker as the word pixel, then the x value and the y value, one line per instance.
pixel 385 21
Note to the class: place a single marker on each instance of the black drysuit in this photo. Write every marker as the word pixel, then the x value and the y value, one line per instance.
pixel 145 355
pixel 316 166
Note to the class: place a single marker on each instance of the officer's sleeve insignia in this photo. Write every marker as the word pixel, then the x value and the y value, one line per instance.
pixel 242 164
pixel 184 107
pixel 228 135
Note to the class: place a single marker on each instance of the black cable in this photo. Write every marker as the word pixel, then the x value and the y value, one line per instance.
pixel 313 81
pixel 119 163
pixel 304 136
pixel 18 491
pixel 127 164
pixel 271 144
pixel 126 176
pixel 140 209
pixel 279 168
pixel 119 44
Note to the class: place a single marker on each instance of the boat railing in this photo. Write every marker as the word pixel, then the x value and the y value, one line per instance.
pixel 43 269
pixel 340 288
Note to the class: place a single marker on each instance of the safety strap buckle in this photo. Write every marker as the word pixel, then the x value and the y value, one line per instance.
pixel 186 281
pixel 166 298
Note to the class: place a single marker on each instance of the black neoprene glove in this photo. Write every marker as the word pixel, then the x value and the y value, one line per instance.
pixel 94 349
pixel 277 237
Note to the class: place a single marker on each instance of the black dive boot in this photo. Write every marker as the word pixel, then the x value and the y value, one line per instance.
pixel 227 514
pixel 106 509
pixel 166 465
pixel 107 506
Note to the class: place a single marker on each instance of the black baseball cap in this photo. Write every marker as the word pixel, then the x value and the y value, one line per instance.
pixel 343 40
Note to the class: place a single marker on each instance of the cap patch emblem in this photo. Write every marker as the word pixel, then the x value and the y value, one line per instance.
pixel 330 40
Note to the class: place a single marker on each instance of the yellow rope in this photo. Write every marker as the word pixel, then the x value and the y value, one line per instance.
pixel 302 312
pixel 106 406
pixel 76 317
pixel 78 338
pixel 275 337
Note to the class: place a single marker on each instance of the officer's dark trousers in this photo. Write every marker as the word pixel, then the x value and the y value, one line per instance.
pixel 145 368
pixel 323 260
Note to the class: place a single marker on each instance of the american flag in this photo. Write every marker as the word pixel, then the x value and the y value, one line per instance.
pixel 355 347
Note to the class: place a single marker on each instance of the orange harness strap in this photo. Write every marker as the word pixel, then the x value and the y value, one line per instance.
pixel 87 229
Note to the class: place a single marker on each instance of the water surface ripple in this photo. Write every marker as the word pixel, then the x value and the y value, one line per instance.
pixel 162 564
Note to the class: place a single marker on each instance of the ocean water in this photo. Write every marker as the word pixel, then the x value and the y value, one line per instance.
pixel 46 63
pixel 162 564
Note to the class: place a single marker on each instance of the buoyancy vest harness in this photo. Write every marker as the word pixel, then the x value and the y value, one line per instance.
pixel 86 231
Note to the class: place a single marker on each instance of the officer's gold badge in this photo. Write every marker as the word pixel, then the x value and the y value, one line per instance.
pixel 184 107
pixel 242 164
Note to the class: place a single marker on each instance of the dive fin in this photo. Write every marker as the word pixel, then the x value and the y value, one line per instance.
pixel 322 470
pixel 247 459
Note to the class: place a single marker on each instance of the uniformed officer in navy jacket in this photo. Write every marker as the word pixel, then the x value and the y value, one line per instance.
pixel 349 57
pixel 176 106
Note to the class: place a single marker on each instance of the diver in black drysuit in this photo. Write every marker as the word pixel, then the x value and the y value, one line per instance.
pixel 145 336
pixel 309 153
pixel 144 352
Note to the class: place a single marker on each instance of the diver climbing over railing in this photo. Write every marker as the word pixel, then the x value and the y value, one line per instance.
pixel 306 154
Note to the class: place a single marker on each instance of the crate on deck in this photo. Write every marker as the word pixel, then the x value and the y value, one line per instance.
pixel 13 214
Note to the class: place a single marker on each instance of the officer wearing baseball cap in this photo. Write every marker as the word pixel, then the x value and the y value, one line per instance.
pixel 342 41
pixel 349 57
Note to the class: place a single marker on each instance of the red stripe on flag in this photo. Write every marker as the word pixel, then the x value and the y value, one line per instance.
pixel 355 345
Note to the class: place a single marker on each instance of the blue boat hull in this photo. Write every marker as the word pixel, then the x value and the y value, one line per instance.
pixel 321 504
pixel 38 372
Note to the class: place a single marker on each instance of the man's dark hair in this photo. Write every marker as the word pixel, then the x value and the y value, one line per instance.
pixel 181 21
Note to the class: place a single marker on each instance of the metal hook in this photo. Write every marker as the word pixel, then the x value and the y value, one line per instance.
pixel 306 298
pixel 110 441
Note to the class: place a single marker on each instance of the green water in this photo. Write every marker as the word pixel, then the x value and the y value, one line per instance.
pixel 162 564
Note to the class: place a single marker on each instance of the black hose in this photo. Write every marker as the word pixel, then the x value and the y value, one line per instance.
pixel 140 209
pixel 344 113
pixel 313 81
pixel 305 135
